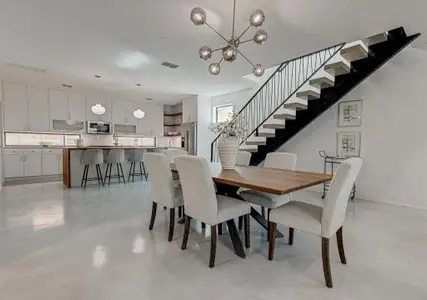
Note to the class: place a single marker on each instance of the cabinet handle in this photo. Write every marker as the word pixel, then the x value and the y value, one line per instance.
pixel 22 158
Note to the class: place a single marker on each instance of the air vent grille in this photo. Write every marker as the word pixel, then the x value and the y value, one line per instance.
pixel 169 65
pixel 149 99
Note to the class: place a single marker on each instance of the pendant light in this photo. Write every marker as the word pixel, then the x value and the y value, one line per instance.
pixel 98 109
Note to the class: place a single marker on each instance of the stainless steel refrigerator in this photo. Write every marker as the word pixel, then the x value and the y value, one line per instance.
pixel 189 137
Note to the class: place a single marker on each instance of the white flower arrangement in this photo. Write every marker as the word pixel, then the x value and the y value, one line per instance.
pixel 234 127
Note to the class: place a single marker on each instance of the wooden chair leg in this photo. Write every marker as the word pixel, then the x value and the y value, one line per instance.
pixel 291 236
pixel 268 220
pixel 213 247
pixel 171 223
pixel 180 212
pixel 247 233
pixel 153 216
pixel 240 223
pixel 326 262
pixel 203 225
pixel 272 239
pixel 340 243
pixel 186 232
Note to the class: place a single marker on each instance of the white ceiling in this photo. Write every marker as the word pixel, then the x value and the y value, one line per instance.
pixel 75 39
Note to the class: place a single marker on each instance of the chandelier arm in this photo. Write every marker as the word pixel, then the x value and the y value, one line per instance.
pixel 246 30
pixel 247 59
pixel 214 50
pixel 234 18
pixel 247 41
pixel 218 33
pixel 220 61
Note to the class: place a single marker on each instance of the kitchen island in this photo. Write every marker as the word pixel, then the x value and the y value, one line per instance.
pixel 73 168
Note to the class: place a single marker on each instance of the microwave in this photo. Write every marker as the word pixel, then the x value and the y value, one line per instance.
pixel 98 127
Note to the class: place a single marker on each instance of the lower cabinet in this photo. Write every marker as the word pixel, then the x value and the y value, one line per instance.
pixel 51 161
pixel 13 165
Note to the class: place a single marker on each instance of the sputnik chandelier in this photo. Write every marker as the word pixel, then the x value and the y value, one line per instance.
pixel 231 49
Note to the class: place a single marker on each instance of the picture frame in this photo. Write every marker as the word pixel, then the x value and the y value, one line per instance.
pixel 349 144
pixel 350 113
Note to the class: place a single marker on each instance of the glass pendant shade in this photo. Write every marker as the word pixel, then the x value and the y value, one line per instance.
pixel 229 53
pixel 257 18
pixel 258 70
pixel 205 53
pixel 98 109
pixel 198 16
pixel 139 114
pixel 214 68
pixel 260 37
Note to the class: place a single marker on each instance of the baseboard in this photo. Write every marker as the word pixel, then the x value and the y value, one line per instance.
pixel 396 204
pixel 32 179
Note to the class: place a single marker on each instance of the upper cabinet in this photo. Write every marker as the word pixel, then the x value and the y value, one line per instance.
pixel 92 100
pixel 77 107
pixel 38 109
pixel 15 106
pixel 123 112
pixel 58 101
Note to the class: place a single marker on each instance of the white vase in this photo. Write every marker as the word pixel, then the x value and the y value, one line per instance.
pixel 228 149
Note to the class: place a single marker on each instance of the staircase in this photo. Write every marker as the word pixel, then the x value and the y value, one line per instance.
pixel 300 90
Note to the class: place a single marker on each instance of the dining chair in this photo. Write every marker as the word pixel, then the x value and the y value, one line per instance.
pixel 173 153
pixel 321 221
pixel 202 203
pixel 277 160
pixel 163 189
pixel 243 158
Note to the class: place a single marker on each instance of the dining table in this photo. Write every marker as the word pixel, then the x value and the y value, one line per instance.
pixel 268 180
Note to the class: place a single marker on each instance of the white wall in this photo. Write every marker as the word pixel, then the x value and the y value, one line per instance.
pixel 189 109
pixel 1 133
pixel 204 135
pixel 238 99
pixel 394 139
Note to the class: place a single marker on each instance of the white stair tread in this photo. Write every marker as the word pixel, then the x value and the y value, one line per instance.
pixel 266 132
pixel 274 126
pixel 322 82
pixel 337 68
pixel 250 148
pixel 376 39
pixel 296 104
pixel 256 140
pixel 355 52
pixel 308 95
pixel 285 113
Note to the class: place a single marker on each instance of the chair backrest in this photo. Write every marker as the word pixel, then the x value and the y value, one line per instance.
pixel 161 181
pixel 281 160
pixel 243 158
pixel 173 153
pixel 137 155
pixel 198 188
pixel 93 157
pixel 335 208
pixel 115 156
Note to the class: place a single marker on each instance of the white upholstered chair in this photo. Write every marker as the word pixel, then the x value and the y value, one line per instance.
pixel 173 153
pixel 321 221
pixel 277 160
pixel 162 187
pixel 243 158
pixel 202 203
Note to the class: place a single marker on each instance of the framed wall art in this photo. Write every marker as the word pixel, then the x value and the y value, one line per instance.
pixel 350 113
pixel 348 144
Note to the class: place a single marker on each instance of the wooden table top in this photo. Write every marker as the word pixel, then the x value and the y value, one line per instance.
pixel 269 180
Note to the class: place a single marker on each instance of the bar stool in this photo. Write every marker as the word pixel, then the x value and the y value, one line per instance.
pixel 115 156
pixel 137 156
pixel 92 157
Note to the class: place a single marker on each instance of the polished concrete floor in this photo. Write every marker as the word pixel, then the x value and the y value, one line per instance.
pixel 95 244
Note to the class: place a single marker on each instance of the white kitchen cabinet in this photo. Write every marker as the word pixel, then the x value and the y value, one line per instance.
pixel 51 162
pixel 77 107
pixel 123 112
pixel 38 109
pixel 93 100
pixel 58 104
pixel 33 163
pixel 15 106
pixel 13 165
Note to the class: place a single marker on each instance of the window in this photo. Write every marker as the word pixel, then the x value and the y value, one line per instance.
pixel 35 139
pixel 223 113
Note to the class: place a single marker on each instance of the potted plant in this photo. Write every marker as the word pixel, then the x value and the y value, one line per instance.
pixel 231 133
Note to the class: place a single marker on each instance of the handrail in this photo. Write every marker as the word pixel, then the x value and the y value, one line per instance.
pixel 276 86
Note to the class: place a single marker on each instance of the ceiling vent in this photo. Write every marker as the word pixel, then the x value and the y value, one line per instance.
pixel 67 86
pixel 26 68
pixel 149 99
pixel 169 65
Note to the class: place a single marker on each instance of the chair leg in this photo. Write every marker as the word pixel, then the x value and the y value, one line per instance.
pixel 240 223
pixel 203 225
pixel 84 173
pixel 109 174
pixel 106 173
pixel 100 173
pixel 133 172
pixel 186 232
pixel 123 174
pixel 118 172
pixel 180 212
pixel 153 215
pixel 247 234
pixel 326 262
pixel 272 239
pixel 263 211
pixel 213 247
pixel 340 243
pixel 171 223
pixel 145 172
pixel 219 228
pixel 291 236
pixel 130 170
pixel 268 220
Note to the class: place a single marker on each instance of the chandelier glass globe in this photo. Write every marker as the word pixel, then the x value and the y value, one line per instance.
pixel 139 114
pixel 214 68
pixel 198 16
pixel 229 53
pixel 260 37
pixel 258 70
pixel 98 109
pixel 205 53
pixel 257 18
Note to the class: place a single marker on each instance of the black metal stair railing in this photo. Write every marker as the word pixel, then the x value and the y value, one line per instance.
pixel 288 78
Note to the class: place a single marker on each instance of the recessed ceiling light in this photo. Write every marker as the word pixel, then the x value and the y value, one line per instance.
pixel 138 84
pixel 169 65
pixel 67 86
pixel 132 60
